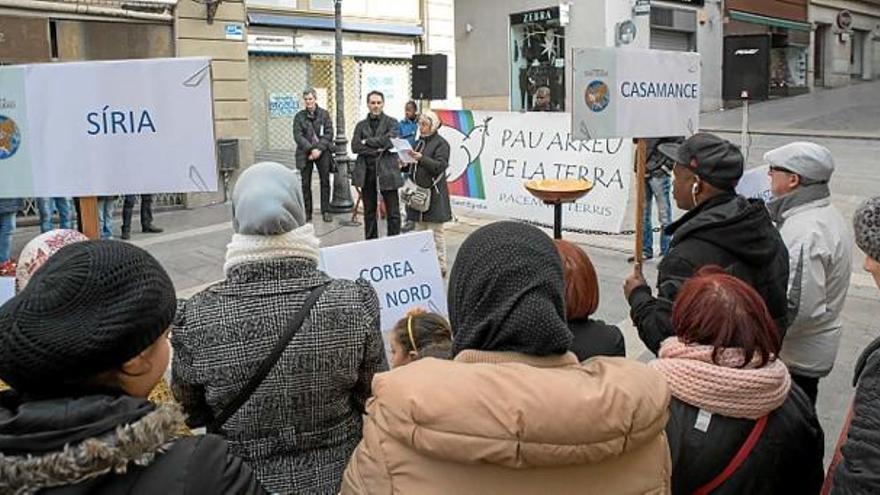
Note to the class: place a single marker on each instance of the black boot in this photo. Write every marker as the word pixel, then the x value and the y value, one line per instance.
pixel 152 229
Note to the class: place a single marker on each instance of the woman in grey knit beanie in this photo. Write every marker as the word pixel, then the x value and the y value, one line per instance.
pixel 866 223
pixel 854 467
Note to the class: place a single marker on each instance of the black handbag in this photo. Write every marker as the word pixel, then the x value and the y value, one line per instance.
pixel 266 366
pixel 413 195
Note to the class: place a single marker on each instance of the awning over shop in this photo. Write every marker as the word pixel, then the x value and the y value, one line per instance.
pixel 325 23
pixel 736 15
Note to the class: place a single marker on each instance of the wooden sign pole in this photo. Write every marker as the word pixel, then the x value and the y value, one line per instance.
pixel 89 211
pixel 641 164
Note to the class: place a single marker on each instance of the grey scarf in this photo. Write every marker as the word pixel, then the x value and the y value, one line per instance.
pixel 806 193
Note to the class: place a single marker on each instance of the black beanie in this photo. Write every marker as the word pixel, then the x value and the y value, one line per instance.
pixel 506 292
pixel 93 306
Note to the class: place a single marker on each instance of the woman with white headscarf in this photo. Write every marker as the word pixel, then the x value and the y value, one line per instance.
pixel 432 159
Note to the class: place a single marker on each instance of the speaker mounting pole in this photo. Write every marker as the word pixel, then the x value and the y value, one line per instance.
pixel 341 201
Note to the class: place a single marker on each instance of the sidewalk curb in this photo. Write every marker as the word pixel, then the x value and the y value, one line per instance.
pixel 798 133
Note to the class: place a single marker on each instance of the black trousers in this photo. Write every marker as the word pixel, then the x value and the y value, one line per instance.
pixel 809 385
pixel 323 164
pixel 146 211
pixel 370 195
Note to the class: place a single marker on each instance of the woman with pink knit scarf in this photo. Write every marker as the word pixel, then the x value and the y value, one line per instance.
pixel 736 424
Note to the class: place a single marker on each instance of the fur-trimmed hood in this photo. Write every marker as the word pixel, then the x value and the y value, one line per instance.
pixel 60 442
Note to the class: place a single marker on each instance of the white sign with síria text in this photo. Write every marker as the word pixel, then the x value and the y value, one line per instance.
pixel 107 128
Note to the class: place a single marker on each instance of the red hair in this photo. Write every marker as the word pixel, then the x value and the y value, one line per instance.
pixel 718 309
pixel 581 283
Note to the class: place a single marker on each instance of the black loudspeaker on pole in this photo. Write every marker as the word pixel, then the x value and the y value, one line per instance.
pixel 429 76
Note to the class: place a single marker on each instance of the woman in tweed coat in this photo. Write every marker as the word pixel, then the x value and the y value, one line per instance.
pixel 302 423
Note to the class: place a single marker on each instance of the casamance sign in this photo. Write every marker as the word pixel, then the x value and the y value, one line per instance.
pixel 629 93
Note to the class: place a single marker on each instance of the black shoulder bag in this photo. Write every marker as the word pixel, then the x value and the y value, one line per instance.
pixel 266 366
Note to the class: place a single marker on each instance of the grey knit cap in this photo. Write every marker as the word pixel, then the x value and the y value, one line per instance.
pixel 267 200
pixel 866 223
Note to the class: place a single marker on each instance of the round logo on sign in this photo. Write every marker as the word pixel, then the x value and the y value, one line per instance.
pixel 597 96
pixel 10 137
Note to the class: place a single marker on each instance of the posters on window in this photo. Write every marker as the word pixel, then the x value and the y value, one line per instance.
pixel 537 61
pixel 391 80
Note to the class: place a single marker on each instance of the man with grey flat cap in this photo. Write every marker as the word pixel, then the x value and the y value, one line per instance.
pixel 820 257
pixel 720 228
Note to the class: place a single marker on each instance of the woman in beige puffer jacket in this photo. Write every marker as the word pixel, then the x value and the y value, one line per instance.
pixel 513 412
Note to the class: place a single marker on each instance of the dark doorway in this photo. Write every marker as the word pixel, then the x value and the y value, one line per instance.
pixel 819 55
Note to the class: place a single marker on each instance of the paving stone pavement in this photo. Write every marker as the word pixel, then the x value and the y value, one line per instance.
pixel 851 111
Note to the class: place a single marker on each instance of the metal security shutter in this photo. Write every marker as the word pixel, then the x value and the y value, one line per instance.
pixel 272 76
pixel 678 41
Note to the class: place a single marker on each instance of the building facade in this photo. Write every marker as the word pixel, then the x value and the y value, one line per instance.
pixel 693 25
pixel 774 32
pixel 291 47
pixel 846 41
pixel 223 40
pixel 66 31
pixel 507 50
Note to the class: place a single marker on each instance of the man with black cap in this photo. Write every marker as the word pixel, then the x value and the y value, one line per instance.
pixel 719 228
pixel 820 258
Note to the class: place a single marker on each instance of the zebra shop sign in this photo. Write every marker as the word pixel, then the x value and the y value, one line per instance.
pixel 492 154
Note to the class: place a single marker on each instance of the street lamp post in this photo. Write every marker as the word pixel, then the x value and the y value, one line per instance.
pixel 341 201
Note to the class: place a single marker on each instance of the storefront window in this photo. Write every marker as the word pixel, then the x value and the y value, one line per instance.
pixel 788 67
pixel 537 61
pixel 788 58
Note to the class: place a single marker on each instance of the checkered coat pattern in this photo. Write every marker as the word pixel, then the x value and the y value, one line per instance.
pixel 301 425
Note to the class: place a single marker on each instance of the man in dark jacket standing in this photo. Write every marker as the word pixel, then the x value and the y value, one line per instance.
pixel 719 228
pixel 376 169
pixel 147 226
pixel 313 133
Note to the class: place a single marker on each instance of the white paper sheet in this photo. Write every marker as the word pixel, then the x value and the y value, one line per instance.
pixel 7 289
pixel 402 147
